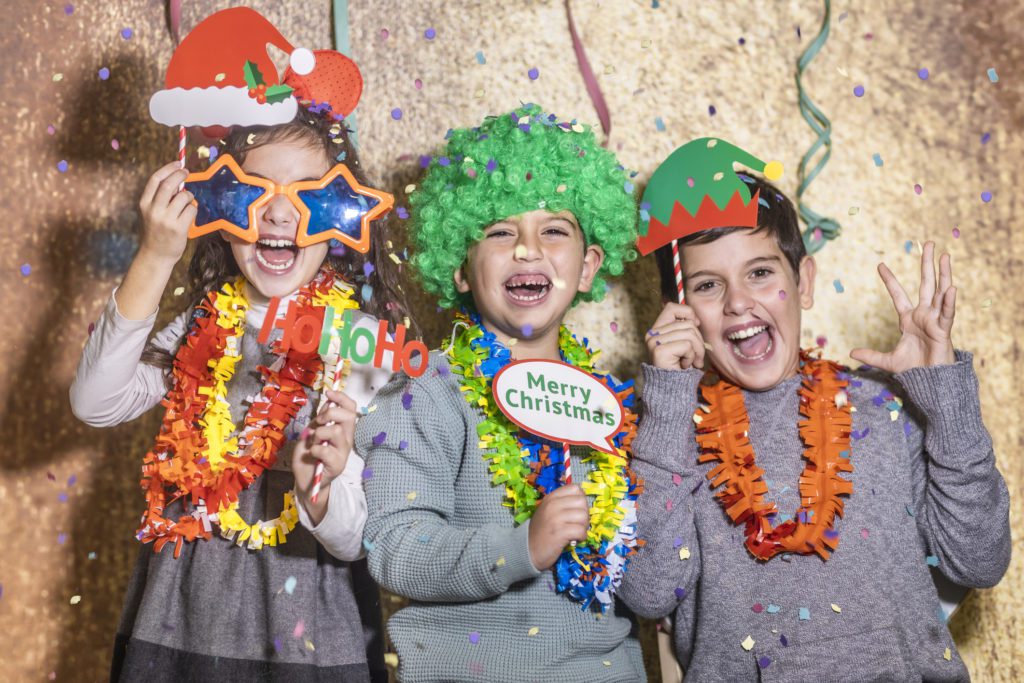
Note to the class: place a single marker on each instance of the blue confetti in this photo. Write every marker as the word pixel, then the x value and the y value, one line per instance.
pixel 932 560
pixel 127 33
pixel 402 212
pixel 985 138
pixel 396 114
pixel 104 73
pixel 910 511
pixel 711 110
pixel 858 91
pixel 533 73
pixel 62 166
pixel 492 164
pixel 628 187
pixel 764 662
pixel 908 246
pixel 680 593
pixel 805 614
pixel 368 269
pixel 289 584
pixel 986 196
pixel 838 285
pixel 407 400
pixel 877 158
pixel 403 444
pixel 992 75
pixel 430 34
pixel 923 74
pixel 26 269
pixel 368 473
pixel 783 640
pixel 773 609
pixel 369 545
pixel 659 124
pixel 367 292
pixel 480 58
pixel 379 439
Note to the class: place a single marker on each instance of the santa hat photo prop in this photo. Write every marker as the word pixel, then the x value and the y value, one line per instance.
pixel 222 75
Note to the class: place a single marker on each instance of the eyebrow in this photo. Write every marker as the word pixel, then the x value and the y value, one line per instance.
pixel 260 175
pixel 756 259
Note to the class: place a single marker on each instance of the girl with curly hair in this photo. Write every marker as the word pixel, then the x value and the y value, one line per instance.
pixel 509 546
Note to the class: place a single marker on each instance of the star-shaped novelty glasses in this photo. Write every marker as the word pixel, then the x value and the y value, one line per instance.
pixel 334 207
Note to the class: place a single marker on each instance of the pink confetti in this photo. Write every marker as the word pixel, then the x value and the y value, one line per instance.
pixel 668 505
pixel 615 326
pixel 418 83
pixel 864 533
pixel 300 628
pixel 677 479
pixel 758 608
pixel 821 340
pixel 956 233
pixel 918 189
pixel 782 294
pixel 689 182
pixel 51 130
pixel 115 144
pixel 384 33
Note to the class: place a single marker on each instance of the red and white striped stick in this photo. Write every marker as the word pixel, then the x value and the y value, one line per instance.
pixel 334 368
pixel 182 136
pixel 677 269
pixel 567 465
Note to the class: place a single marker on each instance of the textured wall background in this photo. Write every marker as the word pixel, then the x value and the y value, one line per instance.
pixel 68 494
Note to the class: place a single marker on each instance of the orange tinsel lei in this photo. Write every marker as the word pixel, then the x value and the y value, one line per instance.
pixel 722 435
pixel 177 466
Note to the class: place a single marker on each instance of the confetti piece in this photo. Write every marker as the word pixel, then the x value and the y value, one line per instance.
pixel 533 73
pixel 115 144
pixel 534 630
pixel 838 285
pixel 628 187
pixel 127 33
pixel 289 585
pixel 480 57
pixel 178 291
pixel 992 75
pixel 923 74
pixel 614 326
pixel 956 233
pixel 858 90
pixel 947 654
pixel 366 291
pixel 680 593
pixel 91 555
pixel 659 124
pixel 300 628
pixel 396 114
pixel 821 340
pixel 500 562
pixel 864 533
pixel 104 73
pixel 711 110
pixel 403 444
pixel 684 553
pixel 748 643
pixel 369 545
pixel 783 640
pixel 402 212
pixel 986 196
pixel 757 608
pixel 932 560
pixel 26 270
pixel 782 294
pixel 985 138
pixel 474 637
pixel 75 599
pixel 69 9
pixel 418 84
pixel 908 246
pixel 805 614
pixel 877 158
pixel 62 166
pixel 58 77
pixel 918 189
pixel 773 609
pixel 411 496
pixel 430 34
pixel 380 438
pixel 836 608
pixel 384 33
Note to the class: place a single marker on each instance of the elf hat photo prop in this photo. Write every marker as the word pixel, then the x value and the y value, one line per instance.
pixel 696 188
pixel 222 75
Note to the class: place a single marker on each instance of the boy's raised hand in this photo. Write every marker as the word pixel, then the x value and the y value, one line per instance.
pixel 561 517
pixel 674 341
pixel 925 328
pixel 328 439
pixel 167 213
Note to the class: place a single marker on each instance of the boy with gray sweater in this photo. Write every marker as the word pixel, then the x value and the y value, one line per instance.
pixel 790 568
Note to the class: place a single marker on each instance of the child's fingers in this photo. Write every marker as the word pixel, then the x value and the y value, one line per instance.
pixel 927 289
pixel 342 399
pixel 168 187
pixel 335 414
pixel 945 280
pixel 871 357
pixel 154 182
pixel 948 310
pixel 179 202
pixel 899 297
pixel 189 213
pixel 672 312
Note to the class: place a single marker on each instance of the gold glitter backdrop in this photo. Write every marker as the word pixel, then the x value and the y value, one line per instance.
pixel 69 498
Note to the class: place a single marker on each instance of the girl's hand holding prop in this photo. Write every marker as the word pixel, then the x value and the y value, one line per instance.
pixel 325 446
pixel 167 214
pixel 925 328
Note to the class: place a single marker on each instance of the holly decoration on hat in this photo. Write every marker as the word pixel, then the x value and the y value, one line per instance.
pixel 258 89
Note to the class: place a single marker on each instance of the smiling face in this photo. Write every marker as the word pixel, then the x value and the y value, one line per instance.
pixel 749 304
pixel 274 265
pixel 524 274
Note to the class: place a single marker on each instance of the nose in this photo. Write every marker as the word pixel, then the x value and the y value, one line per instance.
pixel 738 300
pixel 527 246
pixel 280 212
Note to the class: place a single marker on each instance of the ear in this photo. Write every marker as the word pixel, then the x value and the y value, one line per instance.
pixel 461 280
pixel 808 269
pixel 593 257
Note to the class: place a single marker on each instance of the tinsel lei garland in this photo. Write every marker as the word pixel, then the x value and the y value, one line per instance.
pixel 722 430
pixel 198 457
pixel 591 571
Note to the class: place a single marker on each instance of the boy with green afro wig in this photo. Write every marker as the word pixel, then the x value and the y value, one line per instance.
pixel 514 163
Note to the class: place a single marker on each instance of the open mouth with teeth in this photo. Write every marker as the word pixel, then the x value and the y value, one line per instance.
pixel 528 289
pixel 276 255
pixel 752 342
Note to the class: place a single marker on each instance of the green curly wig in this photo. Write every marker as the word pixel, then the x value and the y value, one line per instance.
pixel 512 164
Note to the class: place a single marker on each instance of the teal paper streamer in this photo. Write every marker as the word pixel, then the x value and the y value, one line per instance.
pixel 343 44
pixel 829 227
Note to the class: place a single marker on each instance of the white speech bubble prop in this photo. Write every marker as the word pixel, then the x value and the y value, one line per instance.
pixel 559 402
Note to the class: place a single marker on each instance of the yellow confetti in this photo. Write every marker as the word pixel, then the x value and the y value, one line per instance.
pixel 836 608
pixel 894 415
pixel 479 93
pixel 718 176
pixel 684 552
pixel 644 44
pixel 561 188
pixel 391 660
pixel 748 644
pixel 394 257
pixel 534 630
pixel 336 129
pixel 854 210
pixel 58 77
pixel 220 77
pixel 75 599
pixel 500 562
pixel 712 142
pixel 411 495
pixel 609 69
pixel 178 291
pixel 842 72
pixel 309 645
pixel 204 152
pixel 947 655
pixel 251 138
pixel 606 662
pixel 409 188
pixel 513 341
pixel 987 303
pixel 697 419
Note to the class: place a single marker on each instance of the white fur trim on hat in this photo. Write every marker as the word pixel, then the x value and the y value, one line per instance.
pixel 227 106
pixel 302 61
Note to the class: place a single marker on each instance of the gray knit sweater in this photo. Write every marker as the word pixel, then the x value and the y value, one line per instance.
pixel 920 498
pixel 439 534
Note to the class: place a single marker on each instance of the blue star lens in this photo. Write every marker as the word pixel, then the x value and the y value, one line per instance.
pixel 336 207
pixel 225 197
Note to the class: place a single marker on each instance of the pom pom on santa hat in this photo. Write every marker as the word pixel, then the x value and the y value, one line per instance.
pixel 222 75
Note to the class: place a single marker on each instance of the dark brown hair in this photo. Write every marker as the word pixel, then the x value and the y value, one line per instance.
pixel 775 216
pixel 213 264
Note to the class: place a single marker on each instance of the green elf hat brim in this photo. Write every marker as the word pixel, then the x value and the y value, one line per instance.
pixel 696 188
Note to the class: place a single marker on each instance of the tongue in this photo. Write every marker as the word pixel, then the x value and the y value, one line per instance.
pixel 754 346
pixel 277 256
